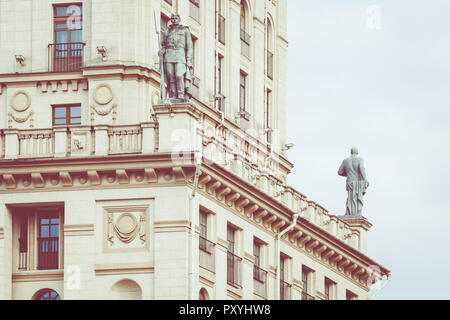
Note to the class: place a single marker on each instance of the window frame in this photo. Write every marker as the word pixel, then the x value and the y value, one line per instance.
pixel 63 20
pixel 68 114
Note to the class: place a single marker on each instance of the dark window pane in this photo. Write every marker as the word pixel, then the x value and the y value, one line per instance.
pixel 61 37
pixel 44 232
pixel 61 26
pixel 55 221
pixel 54 231
pixel 60 122
pixel 76 36
pixel 45 221
pixel 62 11
pixel 75 121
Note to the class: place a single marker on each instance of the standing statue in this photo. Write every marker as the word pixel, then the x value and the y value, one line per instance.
pixel 357 184
pixel 177 55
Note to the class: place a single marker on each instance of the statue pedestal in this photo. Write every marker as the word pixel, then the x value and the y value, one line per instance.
pixel 362 225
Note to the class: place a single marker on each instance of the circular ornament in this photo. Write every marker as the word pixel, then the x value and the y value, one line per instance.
pixel 21 101
pixel 103 94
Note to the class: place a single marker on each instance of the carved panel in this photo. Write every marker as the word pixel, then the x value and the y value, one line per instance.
pixel 126 228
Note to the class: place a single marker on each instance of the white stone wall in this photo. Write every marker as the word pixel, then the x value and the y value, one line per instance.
pixel 127 30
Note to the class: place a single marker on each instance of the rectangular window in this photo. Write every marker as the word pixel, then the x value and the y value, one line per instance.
pixel 67 115
pixel 207 248
pixel 267 116
pixel 282 268
pixel 231 239
pixel 329 289
pixel 285 287
pixel 259 275
pixel 220 102
pixel 66 53
pixel 48 242
pixel 203 230
pixel 350 295
pixel 23 243
pixel 242 93
pixel 307 274
pixel 257 253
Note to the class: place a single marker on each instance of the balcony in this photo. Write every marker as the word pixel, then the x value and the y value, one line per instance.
pixel 245 44
pixel 285 290
pixel 221 31
pixel 259 281
pixel 234 265
pixel 194 10
pixel 48 249
pixel 65 57
pixel 270 64
pixel 306 296
pixel 76 141
pixel 207 255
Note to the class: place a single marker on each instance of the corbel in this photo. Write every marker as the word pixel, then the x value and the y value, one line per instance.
pixel 94 178
pixel 38 180
pixel 123 177
pixel 151 175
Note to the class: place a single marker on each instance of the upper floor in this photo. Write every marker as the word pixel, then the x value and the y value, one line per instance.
pixel 60 47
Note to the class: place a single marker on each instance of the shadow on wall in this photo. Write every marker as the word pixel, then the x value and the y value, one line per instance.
pixel 125 290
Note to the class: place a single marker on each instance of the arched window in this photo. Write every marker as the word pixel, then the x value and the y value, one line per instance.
pixel 243 17
pixel 46 294
pixel 269 44
pixel 203 295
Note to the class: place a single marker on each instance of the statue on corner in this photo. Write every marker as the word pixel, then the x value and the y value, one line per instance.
pixel 177 56
pixel 357 184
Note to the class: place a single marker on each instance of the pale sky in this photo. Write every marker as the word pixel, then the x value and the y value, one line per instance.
pixel 386 92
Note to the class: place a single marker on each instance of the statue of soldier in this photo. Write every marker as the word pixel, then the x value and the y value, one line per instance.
pixel 177 51
pixel 357 184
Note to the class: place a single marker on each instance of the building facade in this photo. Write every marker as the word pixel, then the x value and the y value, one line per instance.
pixel 106 193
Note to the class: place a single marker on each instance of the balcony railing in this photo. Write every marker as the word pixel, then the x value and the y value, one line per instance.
pixel 75 141
pixel 168 1
pixel 269 64
pixel 285 290
pixel 245 44
pixel 48 249
pixel 194 10
pixel 234 270
pixel 259 281
pixel 221 31
pixel 306 296
pixel 207 255
pixel 65 57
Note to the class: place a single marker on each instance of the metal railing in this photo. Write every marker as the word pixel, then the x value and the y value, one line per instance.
pixel 269 64
pixel 306 296
pixel 259 281
pixel 194 10
pixel 221 31
pixel 285 290
pixel 48 249
pixel 245 44
pixel 234 270
pixel 207 254
pixel 65 57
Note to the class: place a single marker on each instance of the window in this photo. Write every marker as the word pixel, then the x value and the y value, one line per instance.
pixel 220 102
pixel 221 23
pixel 245 37
pixel 67 115
pixel 350 295
pixel 306 279
pixel 66 52
pixel 194 10
pixel 329 289
pixel 48 242
pixel 242 92
pixel 46 294
pixel 207 248
pixel 233 261
pixel 259 275
pixel 267 116
pixel 195 59
pixel 38 234
pixel 285 287
pixel 269 50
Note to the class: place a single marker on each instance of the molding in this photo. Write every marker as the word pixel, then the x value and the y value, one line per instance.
pixel 234 293
pixel 38 276
pixel 124 268
pixel 207 278
pixel 2 233
pixel 171 226
pixel 79 230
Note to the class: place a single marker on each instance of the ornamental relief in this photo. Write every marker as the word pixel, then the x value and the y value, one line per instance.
pixel 103 97
pixel 20 103
pixel 126 228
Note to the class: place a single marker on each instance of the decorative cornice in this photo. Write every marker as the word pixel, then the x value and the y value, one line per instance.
pixel 38 276
pixel 124 268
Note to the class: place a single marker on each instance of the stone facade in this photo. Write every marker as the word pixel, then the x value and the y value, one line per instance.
pixel 135 199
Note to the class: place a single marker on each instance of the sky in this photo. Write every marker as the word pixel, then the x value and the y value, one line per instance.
pixel 382 85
